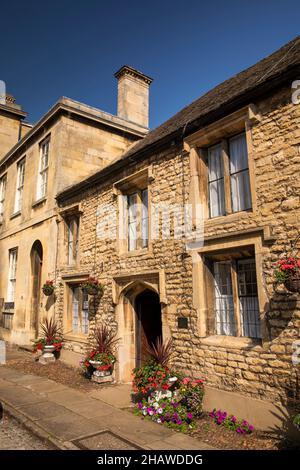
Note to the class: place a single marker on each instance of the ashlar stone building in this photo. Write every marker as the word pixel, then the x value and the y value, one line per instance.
pixel 70 142
pixel 231 161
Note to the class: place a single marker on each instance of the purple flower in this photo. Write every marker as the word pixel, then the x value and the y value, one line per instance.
pixel 175 415
pixel 233 419
pixel 179 422
pixel 175 405
pixel 189 416
pixel 239 430
pixel 251 428
pixel 140 405
pixel 219 421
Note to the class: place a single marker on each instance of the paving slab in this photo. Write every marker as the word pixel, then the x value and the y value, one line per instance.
pixel 68 397
pixel 69 426
pixel 26 379
pixel 6 373
pixel 91 409
pixel 18 396
pixel 116 395
pixel 42 410
pixel 45 386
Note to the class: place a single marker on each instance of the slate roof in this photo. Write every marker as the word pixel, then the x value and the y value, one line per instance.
pixel 230 93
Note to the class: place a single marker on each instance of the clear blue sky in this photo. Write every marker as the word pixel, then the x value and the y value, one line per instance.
pixel 53 48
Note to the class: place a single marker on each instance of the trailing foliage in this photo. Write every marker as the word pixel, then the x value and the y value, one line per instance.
pixel 240 426
pixel 166 411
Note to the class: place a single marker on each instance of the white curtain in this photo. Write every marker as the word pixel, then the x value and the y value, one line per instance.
pixel 225 324
pixel 240 184
pixel 216 181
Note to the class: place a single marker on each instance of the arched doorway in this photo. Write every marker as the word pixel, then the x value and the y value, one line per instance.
pixel 148 323
pixel 36 274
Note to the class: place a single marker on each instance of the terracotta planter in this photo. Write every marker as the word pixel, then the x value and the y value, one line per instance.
pixel 292 284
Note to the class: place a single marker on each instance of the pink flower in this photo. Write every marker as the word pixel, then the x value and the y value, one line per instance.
pixel 186 381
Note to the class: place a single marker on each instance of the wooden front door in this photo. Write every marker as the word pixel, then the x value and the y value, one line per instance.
pixel 36 266
pixel 148 325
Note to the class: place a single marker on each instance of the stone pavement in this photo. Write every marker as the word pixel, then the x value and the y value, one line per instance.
pixel 67 416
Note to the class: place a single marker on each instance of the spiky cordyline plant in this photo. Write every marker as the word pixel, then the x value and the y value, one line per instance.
pixel 105 339
pixel 161 352
pixel 50 329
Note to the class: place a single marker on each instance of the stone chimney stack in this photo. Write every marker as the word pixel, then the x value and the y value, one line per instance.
pixel 133 95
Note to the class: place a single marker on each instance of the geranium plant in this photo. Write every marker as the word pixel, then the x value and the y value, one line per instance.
pixel 92 286
pixel 103 352
pixel 51 335
pixel 231 422
pixel 155 373
pixel 106 361
pixel 48 287
pixel 151 376
pixel 287 268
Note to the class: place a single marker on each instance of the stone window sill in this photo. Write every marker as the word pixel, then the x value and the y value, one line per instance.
pixel 39 202
pixel 78 338
pixel 232 342
pixel 142 251
pixel 16 214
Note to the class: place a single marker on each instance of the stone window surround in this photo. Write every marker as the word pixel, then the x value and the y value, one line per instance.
pixel 73 210
pixel 42 197
pixel 256 238
pixel 136 181
pixel 68 281
pixel 196 144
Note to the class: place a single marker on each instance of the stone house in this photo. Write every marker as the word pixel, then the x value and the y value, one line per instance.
pixel 232 158
pixel 70 142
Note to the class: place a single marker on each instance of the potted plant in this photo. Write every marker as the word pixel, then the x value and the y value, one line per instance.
pixel 93 287
pixel 296 421
pixel 48 287
pixel 288 273
pixel 50 341
pixel 100 361
pixel 155 377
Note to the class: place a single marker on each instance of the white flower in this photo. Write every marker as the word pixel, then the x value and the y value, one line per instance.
pixel 158 421
pixel 156 405
pixel 159 411
pixel 144 412
pixel 151 413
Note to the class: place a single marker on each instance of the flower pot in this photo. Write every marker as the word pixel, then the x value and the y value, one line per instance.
pixel 95 364
pixel 292 284
pixel 47 355
pixel 48 290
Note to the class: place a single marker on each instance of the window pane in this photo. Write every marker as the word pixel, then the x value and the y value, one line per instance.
pixel 224 308
pixel 240 183
pixel 145 218
pixel 75 308
pixel 249 306
pixel 215 166
pixel 132 221
pixel 216 198
pixel 240 190
pixel 12 273
pixel 216 181
pixel 85 313
pixel 238 153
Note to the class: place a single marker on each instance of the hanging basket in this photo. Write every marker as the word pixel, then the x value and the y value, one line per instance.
pixel 94 290
pixel 48 290
pixel 292 284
